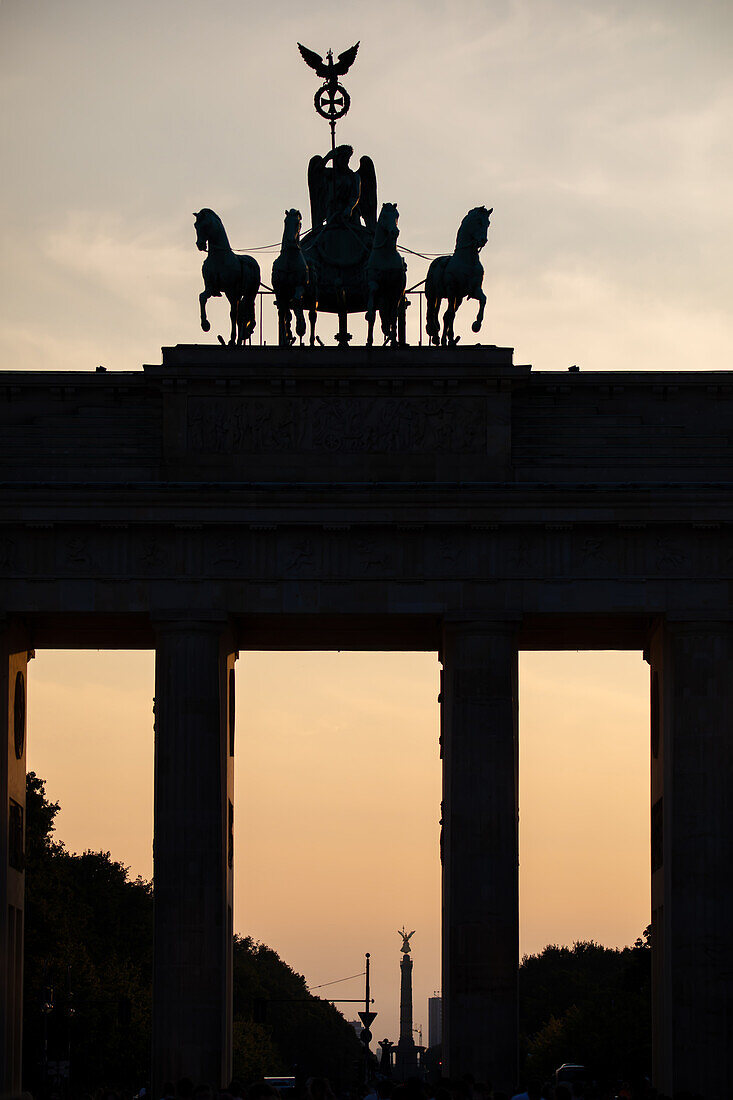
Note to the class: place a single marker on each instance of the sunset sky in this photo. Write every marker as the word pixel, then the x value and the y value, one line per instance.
pixel 600 133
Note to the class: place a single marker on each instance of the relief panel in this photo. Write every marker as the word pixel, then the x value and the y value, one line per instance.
pixel 344 552
pixel 333 425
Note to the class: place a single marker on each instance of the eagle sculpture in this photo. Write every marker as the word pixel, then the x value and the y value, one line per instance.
pixel 326 67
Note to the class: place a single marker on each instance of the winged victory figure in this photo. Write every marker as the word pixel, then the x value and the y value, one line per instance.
pixel 406 937
pixel 338 192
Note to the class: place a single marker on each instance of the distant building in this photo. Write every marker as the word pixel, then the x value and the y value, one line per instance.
pixel 357 1026
pixel 435 1019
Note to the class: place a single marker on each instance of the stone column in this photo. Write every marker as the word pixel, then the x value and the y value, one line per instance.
pixel 406 1064
pixel 13 673
pixel 480 850
pixel 406 999
pixel 692 857
pixel 193 852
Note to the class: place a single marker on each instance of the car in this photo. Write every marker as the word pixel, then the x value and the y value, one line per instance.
pixel 284 1085
pixel 569 1072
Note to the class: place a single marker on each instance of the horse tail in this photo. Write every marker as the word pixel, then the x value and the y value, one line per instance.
pixel 249 275
pixel 434 291
pixel 250 285
pixel 277 278
pixel 312 283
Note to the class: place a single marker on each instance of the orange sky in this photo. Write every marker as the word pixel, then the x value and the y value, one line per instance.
pixel 337 789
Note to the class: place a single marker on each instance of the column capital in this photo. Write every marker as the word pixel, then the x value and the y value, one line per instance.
pixel 10 621
pixel 696 624
pixel 482 623
pixel 460 626
pixel 189 621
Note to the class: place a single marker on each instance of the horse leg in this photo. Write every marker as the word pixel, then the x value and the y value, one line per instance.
pixel 475 327
pixel 382 305
pixel 312 317
pixel 250 316
pixel 392 315
pixel 285 335
pixel 402 322
pixel 371 315
pixel 387 322
pixel 299 322
pixel 393 318
pixel 432 321
pixel 245 320
pixel 447 333
pixel 456 304
pixel 233 310
pixel 203 299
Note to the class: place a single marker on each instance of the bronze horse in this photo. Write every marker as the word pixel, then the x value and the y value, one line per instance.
pixel 386 276
pixel 294 281
pixel 224 272
pixel 457 277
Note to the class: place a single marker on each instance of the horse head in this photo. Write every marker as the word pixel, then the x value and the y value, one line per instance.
pixel 474 229
pixel 293 224
pixel 206 222
pixel 387 223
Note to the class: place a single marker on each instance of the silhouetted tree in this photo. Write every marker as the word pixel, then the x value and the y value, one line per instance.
pixel 89 936
pixel 88 958
pixel 588 1004
pixel 280 1027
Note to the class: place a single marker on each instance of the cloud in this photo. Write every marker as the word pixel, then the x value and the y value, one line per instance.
pixel 143 269
pixel 597 131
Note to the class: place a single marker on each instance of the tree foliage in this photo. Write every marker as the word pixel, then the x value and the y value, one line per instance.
pixel 587 1004
pixel 89 949
pixel 88 957
pixel 281 1028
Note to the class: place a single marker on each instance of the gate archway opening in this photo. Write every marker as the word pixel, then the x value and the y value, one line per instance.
pixel 336 751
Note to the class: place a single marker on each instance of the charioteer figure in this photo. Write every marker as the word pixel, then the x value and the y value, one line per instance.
pixel 338 193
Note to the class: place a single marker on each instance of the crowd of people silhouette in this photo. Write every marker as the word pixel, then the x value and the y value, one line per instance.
pixel 463 1088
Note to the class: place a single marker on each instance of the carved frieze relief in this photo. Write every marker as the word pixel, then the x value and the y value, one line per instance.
pixel 299 558
pixel 77 551
pixel 670 553
pixel 218 425
pixel 7 553
pixel 269 553
pixel 225 554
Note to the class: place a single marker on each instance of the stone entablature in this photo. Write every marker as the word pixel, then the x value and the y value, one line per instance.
pixel 386 483
pixel 460 414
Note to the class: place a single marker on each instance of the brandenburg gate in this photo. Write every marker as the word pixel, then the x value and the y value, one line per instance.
pixel 400 498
